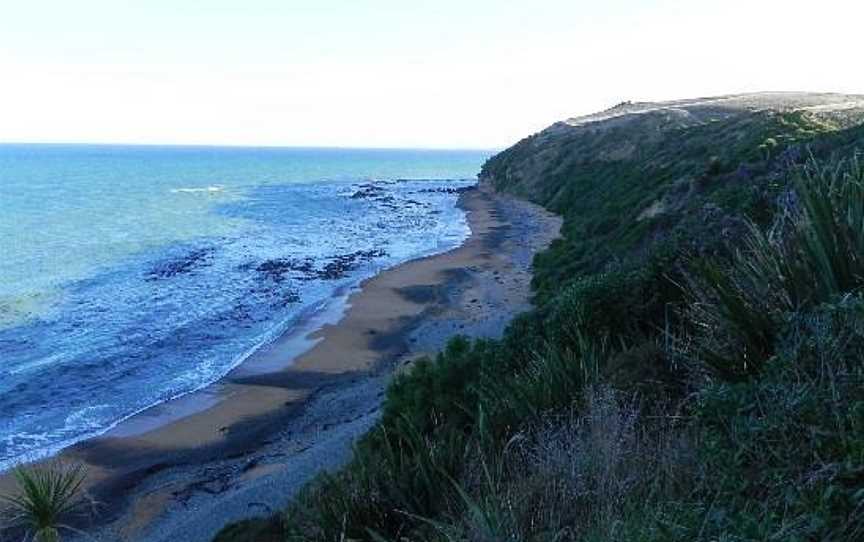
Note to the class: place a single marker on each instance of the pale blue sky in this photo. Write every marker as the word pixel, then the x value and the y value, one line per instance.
pixel 393 73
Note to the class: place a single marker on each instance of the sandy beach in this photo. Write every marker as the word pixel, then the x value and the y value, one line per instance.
pixel 190 466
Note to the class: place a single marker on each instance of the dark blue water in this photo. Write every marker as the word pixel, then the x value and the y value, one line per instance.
pixel 131 275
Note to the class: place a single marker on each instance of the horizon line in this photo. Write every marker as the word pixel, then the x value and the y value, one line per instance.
pixel 247 146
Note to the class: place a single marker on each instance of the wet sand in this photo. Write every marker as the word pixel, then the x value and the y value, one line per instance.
pixel 245 445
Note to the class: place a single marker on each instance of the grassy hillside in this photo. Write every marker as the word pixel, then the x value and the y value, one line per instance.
pixel 692 369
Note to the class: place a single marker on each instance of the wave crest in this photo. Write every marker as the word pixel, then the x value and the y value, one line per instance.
pixel 206 189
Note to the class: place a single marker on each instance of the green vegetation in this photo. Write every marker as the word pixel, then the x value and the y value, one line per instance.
pixel 48 496
pixel 692 369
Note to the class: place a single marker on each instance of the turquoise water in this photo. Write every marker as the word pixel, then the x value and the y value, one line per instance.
pixel 131 275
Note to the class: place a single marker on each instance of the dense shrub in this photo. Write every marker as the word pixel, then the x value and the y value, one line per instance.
pixel 813 254
pixel 582 473
pixel 435 392
pixel 784 453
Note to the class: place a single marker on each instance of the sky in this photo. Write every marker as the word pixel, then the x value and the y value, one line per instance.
pixel 393 73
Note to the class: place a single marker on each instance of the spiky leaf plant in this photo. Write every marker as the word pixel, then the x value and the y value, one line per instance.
pixel 48 496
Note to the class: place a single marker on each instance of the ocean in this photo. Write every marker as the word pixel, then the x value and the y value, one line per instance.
pixel 131 275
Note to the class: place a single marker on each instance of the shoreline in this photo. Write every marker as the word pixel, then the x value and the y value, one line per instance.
pixel 197 462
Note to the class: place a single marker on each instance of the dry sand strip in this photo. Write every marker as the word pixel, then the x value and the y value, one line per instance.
pixel 245 445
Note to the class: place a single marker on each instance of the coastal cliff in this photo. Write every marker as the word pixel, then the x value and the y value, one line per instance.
pixel 681 134
pixel 688 171
pixel 691 367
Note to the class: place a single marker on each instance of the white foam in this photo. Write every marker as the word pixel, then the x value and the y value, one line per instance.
pixel 206 189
